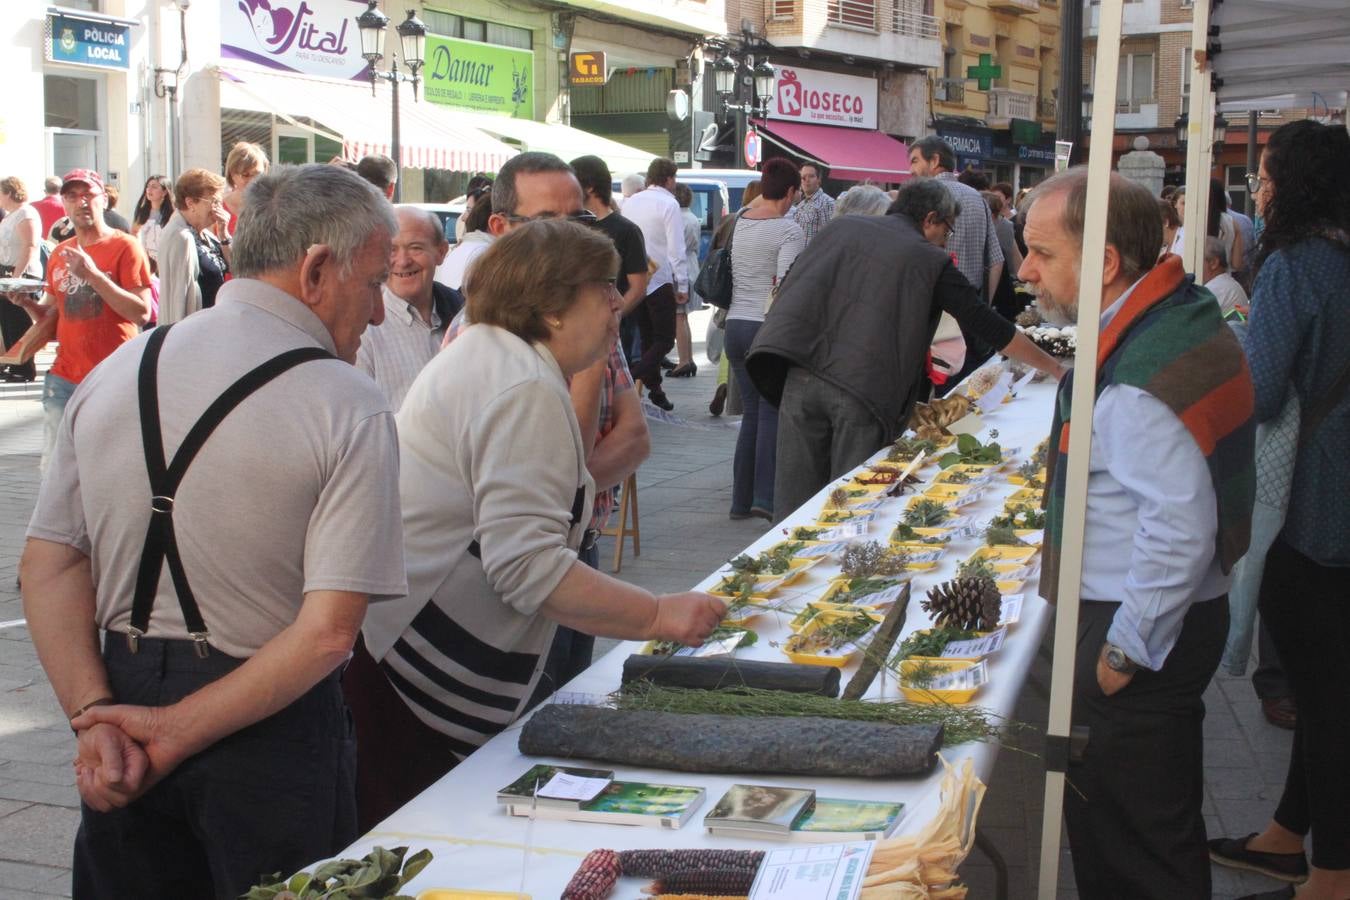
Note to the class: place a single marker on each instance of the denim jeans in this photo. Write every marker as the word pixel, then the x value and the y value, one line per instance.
pixel 56 392
pixel 752 469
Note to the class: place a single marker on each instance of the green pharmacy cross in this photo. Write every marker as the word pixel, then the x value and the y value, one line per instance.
pixel 985 72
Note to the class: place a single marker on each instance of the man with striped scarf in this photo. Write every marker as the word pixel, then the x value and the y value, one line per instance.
pixel 1170 489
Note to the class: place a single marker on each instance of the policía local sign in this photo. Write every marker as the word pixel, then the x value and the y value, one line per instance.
pixel 484 77
pixel 88 43
pixel 314 37
pixel 824 98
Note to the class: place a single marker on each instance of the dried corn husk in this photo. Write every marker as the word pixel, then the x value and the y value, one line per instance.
pixel 924 865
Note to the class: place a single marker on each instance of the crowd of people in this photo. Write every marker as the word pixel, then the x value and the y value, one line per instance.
pixel 447 428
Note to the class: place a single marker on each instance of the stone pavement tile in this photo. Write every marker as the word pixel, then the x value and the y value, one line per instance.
pixel 26 877
pixel 1239 784
pixel 11 806
pixel 1243 816
pixel 40 835
pixel 43 794
pixel 1228 753
pixel 59 773
pixel 1232 883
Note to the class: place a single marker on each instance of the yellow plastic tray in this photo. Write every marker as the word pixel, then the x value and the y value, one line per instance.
pixel 839 585
pixel 927 695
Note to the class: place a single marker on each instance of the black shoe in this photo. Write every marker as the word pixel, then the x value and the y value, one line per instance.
pixel 13 377
pixel 719 400
pixel 760 512
pixel 660 399
pixel 666 363
pixel 684 370
pixel 1233 853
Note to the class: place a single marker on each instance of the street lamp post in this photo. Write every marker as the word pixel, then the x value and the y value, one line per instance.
pixel 726 73
pixel 412 37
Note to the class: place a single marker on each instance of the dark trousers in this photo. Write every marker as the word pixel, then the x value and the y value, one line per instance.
pixel 1132 804
pixel 1268 680
pixel 823 432
pixel 399 756
pixel 1306 608
pixel 273 797
pixel 656 324
pixel 752 467
pixel 14 322
pixel 571 652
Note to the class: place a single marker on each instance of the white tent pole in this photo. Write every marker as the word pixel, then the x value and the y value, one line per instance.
pixel 1080 442
pixel 1199 140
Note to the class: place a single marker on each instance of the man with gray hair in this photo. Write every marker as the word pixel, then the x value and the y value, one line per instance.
pixel 199 665
pixel 1219 281
pixel 416 308
pixel 842 350
pixel 1169 499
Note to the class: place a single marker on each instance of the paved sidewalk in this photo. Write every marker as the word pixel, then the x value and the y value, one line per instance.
pixel 684 493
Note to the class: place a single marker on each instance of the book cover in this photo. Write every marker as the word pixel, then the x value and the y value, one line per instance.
pixel 826 821
pixel 622 803
pixel 758 807
pixel 523 787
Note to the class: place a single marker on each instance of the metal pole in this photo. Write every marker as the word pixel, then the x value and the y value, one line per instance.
pixel 175 153
pixel 1252 164
pixel 1069 112
pixel 1080 443
pixel 397 153
pixel 1199 125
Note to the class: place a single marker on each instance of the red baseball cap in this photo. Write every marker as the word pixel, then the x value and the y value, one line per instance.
pixel 88 176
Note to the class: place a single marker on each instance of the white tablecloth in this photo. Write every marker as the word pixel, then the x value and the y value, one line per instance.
pixel 476 845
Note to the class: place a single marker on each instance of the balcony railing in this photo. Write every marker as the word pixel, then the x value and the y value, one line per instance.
pixel 1006 104
pixel 902 17
pixel 1047 107
pixel 1017 7
pixel 1133 105
pixel 949 90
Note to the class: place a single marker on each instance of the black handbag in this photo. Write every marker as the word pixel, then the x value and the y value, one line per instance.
pixel 714 276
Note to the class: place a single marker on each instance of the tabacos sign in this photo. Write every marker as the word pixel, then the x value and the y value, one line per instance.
pixel 314 37
pixel 485 77
pixel 824 98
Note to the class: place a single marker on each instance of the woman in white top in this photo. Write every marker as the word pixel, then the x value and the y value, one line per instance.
pixel 693 234
pixel 19 257
pixel 764 244
pixel 476 238
pixel 153 212
pixel 1226 229
pixel 496 499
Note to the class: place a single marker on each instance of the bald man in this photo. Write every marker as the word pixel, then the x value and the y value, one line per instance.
pixel 416 308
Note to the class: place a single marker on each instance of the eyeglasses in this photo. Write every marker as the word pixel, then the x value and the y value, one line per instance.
pixel 581 217
pixel 1255 183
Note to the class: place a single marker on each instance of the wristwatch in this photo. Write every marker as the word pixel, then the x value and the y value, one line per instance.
pixel 1116 660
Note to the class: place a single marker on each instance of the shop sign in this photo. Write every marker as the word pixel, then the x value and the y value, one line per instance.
pixel 972 146
pixel 1036 154
pixel 485 77
pixel 313 37
pixel 86 42
pixel 587 67
pixel 824 98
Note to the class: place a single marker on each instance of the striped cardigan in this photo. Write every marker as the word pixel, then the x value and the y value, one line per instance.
pixel 1169 340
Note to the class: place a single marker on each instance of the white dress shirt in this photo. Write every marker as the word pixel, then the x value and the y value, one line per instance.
pixel 394 351
pixel 657 212
pixel 1152 520
pixel 455 266
pixel 1227 291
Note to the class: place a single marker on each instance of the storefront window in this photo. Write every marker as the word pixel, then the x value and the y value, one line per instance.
pixel 457 26
pixel 70 102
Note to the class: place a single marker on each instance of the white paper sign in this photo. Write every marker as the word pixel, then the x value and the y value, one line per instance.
pixel 1023 381
pixel 990 400
pixel 886 595
pixel 926 556
pixel 563 786
pixel 713 648
pixel 815 872
pixel 976 647
pixel 971 423
pixel 870 505
pixel 1012 610
pixel 833 548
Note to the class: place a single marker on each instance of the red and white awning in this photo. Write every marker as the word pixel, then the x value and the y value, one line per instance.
pixel 431 136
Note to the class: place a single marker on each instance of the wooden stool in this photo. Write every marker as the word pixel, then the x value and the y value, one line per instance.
pixel 627 498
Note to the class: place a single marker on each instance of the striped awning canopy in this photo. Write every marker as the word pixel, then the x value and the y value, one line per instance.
pixel 431 136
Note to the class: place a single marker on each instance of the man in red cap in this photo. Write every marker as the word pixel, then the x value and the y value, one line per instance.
pixel 98 295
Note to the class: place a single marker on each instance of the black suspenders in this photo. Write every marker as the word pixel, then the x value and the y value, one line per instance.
pixel 161 546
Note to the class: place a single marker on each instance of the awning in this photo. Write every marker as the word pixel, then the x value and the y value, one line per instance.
pixel 850 154
pixel 1270 50
pixel 431 136
pixel 561 140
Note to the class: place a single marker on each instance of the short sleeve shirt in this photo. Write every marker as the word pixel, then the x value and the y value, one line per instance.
pixel 296 490
pixel 628 240
pixel 87 328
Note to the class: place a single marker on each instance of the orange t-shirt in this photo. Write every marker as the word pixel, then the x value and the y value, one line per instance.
pixel 87 328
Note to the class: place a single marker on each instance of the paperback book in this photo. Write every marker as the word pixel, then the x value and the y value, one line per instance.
pixel 616 803
pixel 790 814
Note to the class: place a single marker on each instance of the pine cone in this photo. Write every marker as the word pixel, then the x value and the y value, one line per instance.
pixel 971 604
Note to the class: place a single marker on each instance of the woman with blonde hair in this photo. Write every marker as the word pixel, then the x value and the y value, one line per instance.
pixel 244 163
